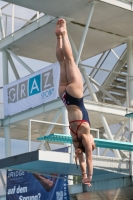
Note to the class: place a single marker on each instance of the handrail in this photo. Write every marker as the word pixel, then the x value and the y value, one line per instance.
pixel 13 17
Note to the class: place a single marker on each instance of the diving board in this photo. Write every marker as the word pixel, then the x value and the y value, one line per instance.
pixel 129 115
pixel 111 144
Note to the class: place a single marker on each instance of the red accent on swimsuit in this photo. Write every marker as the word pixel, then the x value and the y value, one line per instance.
pixel 81 121
pixel 64 98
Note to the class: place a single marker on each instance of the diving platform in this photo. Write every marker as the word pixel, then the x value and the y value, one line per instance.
pixel 47 162
pixel 44 162
pixel 60 138
pixel 52 162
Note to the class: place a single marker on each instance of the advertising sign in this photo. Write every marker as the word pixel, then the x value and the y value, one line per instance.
pixel 31 91
pixel 22 185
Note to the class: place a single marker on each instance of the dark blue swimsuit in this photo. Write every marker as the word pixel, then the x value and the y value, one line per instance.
pixel 69 100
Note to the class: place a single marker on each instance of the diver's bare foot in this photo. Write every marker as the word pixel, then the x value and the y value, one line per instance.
pixel 57 29
pixel 63 29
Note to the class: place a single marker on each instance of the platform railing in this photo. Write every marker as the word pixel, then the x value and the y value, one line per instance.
pixel 10 20
pixel 57 124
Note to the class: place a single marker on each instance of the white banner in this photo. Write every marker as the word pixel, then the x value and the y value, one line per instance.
pixel 31 91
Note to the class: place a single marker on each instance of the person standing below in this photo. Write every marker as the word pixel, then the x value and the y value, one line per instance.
pixel 71 93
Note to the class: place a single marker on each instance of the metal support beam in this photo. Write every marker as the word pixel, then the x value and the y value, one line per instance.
pixel 20 61
pixel 66 130
pixel 2 25
pixel 107 130
pixel 44 144
pixel 47 146
pixel 93 95
pixel 13 67
pixel 97 149
pixel 131 153
pixel 130 94
pixel 5 67
pixel 13 6
pixel 116 70
pixel 130 70
pixel 85 33
pixel 29 135
pixel 116 136
pixel 121 129
pixel 105 92
pixel 7 141
pixel 38 15
pixel 115 54
pixel 105 152
pixel 127 92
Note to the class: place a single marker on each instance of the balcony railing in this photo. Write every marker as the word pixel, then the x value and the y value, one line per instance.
pixel 11 18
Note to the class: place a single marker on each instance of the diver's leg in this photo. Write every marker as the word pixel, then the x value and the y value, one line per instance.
pixel 75 84
pixel 60 57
